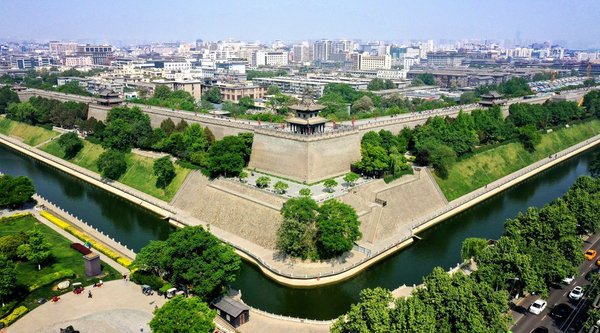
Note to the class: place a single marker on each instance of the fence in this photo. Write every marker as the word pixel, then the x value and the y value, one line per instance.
pixel 292 319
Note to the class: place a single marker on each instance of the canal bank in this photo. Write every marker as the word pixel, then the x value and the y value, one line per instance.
pixel 266 260
pixel 134 227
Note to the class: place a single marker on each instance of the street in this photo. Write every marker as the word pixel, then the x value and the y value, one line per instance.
pixel 527 322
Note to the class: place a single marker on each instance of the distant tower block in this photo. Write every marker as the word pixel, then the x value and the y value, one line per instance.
pixel 92 264
pixel 307 120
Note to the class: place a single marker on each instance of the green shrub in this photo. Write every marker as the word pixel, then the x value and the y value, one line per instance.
pixel 10 243
pixel 166 287
pixel 141 277
pixel 7 308
pixel 50 278
pixel 16 314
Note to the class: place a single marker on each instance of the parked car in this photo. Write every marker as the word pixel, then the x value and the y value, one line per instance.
pixel 576 294
pixel 590 254
pixel 538 306
pixel 561 311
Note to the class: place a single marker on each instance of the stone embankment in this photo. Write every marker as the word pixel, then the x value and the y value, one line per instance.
pixel 294 273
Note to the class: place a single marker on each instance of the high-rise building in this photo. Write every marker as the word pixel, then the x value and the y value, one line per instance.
pixel 270 58
pixel 100 53
pixel 322 50
pixel 300 53
pixel 361 61
pixel 60 48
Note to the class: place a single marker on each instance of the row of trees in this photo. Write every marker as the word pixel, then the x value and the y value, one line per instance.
pixel 514 262
pixel 7 96
pixel 130 127
pixel 49 112
pixel 317 232
pixel 165 97
pixel 441 141
pixel 479 302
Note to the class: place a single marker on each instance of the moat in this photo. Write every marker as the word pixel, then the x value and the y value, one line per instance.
pixel 440 246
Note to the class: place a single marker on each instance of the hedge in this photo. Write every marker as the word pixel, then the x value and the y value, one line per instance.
pixel 14 217
pixel 86 239
pixel 141 277
pixel 13 316
pixel 50 278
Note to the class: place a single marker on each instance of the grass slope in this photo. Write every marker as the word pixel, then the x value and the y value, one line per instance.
pixel 31 135
pixel 63 257
pixel 485 167
pixel 139 175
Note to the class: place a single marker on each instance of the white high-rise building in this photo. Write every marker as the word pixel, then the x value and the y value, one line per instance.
pixel 301 53
pixel 270 58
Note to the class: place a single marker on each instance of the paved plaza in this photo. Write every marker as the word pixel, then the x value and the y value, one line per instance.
pixel 117 306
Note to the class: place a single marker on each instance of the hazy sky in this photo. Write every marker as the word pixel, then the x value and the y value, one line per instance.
pixel 575 21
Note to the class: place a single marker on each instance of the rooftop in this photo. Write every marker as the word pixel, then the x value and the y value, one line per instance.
pixel 230 306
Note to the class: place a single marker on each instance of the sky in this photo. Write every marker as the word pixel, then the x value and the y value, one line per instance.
pixel 574 21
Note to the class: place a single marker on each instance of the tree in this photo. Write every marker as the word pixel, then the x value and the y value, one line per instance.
pixel 529 137
pixel 302 209
pixel 296 238
pixel 337 228
pixel 183 315
pixel 280 187
pixel 243 176
pixel 376 84
pixel 363 104
pixel 371 314
pixel 228 156
pixel 329 184
pixel 112 164
pixel 594 166
pixel 213 95
pixel 8 278
pixel 246 103
pixel 263 182
pixel 305 192
pixel 15 191
pixel 71 144
pixel 468 97
pixel 24 112
pixel 7 96
pixel 36 249
pixel 164 171
pixel 472 247
pixel 273 90
pixel 441 158
pixel 168 126
pixel 192 256
pixel 162 92
pixel 350 178
pixel 118 135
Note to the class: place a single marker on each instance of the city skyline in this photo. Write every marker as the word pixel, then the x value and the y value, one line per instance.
pixel 570 21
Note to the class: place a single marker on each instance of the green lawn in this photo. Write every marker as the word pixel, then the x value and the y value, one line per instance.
pixel 63 257
pixel 31 135
pixel 485 167
pixel 139 175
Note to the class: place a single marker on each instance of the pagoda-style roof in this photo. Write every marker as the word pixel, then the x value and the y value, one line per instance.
pixel 302 107
pixel 309 121
pixel 492 95
pixel 107 93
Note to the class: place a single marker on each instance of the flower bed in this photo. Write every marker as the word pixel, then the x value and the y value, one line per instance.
pixel 86 239
pixel 13 316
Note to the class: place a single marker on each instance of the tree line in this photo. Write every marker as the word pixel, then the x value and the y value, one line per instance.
pixel 48 112
pixel 441 141
pixel 516 263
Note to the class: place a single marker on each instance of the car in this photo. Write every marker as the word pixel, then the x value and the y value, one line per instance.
pixel 568 280
pixel 590 254
pixel 577 293
pixel 538 306
pixel 540 329
pixel 598 262
pixel 561 311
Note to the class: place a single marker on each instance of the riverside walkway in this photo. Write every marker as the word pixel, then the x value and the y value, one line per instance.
pixel 309 274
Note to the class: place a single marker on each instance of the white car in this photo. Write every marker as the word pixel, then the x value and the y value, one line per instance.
pixel 576 294
pixel 538 306
pixel 568 280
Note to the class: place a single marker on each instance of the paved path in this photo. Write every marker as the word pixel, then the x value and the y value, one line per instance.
pixel 117 306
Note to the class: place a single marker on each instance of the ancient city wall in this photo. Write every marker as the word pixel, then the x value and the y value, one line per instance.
pixel 305 159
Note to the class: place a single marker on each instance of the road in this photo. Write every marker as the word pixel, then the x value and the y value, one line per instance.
pixel 526 322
